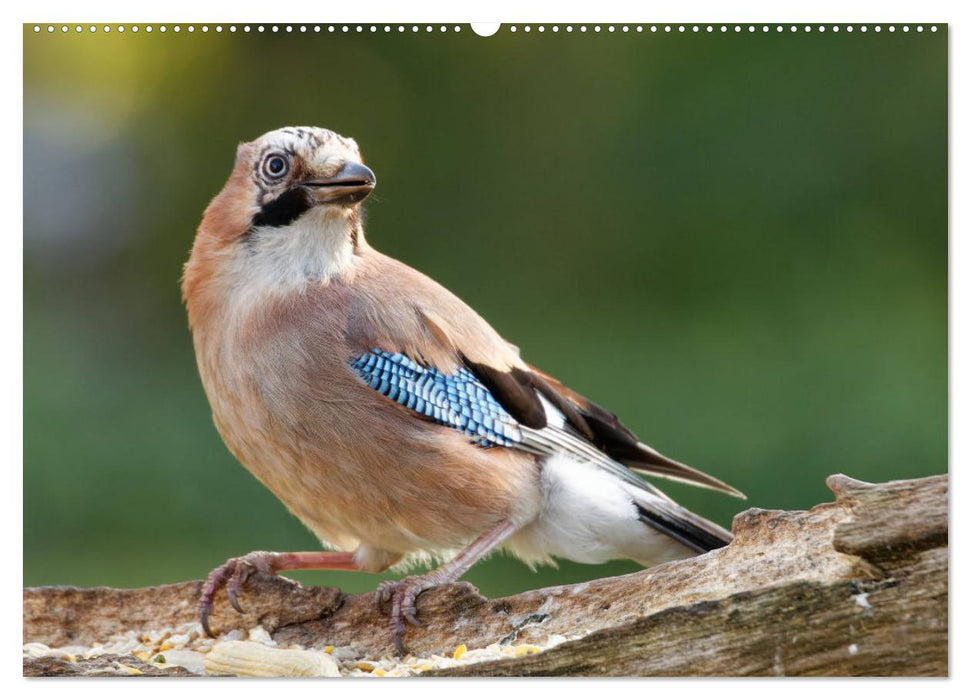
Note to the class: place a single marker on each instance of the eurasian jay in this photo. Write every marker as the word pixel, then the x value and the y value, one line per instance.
pixel 387 415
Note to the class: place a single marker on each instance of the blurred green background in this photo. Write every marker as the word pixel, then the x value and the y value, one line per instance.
pixel 738 243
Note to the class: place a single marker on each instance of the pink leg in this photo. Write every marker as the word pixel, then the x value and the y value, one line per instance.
pixel 402 594
pixel 233 573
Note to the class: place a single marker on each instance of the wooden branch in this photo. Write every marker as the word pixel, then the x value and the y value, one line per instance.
pixel 855 587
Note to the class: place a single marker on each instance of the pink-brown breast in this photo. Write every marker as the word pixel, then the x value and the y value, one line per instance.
pixel 353 465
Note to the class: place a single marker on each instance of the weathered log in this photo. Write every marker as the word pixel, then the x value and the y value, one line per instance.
pixel 855 587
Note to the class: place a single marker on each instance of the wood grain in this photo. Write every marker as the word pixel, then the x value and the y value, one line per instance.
pixel 857 587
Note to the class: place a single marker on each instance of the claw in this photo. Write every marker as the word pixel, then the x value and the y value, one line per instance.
pixel 231 593
pixel 213 583
pixel 399 642
pixel 398 629
pixel 410 616
pixel 402 595
pixel 235 584
pixel 204 618
pixel 383 595
pixel 408 606
pixel 232 575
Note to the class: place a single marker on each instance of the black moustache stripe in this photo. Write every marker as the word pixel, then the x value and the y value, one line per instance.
pixel 283 210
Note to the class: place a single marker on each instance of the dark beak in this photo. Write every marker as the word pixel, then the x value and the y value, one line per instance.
pixel 349 186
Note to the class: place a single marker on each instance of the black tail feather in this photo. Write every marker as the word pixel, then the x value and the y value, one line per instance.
pixel 687 528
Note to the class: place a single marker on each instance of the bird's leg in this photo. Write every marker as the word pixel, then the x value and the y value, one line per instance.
pixel 233 574
pixel 402 594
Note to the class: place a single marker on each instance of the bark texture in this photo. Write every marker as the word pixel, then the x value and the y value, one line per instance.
pixel 857 587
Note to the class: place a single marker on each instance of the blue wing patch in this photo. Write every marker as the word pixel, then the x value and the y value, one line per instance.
pixel 457 400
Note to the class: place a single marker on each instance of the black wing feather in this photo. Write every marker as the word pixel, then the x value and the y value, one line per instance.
pixel 605 430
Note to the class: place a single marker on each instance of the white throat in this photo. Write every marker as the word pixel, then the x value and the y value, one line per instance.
pixel 314 249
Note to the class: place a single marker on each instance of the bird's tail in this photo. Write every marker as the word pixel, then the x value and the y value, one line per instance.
pixel 681 524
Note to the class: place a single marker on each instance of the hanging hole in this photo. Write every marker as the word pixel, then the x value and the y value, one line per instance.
pixel 485 28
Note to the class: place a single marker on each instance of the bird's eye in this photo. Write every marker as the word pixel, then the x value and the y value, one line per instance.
pixel 275 166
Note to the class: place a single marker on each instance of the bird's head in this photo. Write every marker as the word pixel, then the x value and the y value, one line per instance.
pixel 296 169
pixel 289 213
pixel 291 171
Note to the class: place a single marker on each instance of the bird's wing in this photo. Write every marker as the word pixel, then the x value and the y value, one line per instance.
pixel 436 356
pixel 522 409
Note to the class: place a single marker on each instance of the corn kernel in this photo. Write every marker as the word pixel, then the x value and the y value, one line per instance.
pixel 524 649
pixel 459 652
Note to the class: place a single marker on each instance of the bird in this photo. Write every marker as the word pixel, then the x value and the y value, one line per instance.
pixel 386 414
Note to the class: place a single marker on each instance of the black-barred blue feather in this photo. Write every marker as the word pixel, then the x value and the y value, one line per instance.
pixel 457 400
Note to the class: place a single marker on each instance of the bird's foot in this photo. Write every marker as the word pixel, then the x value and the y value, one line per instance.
pixel 232 576
pixel 402 595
